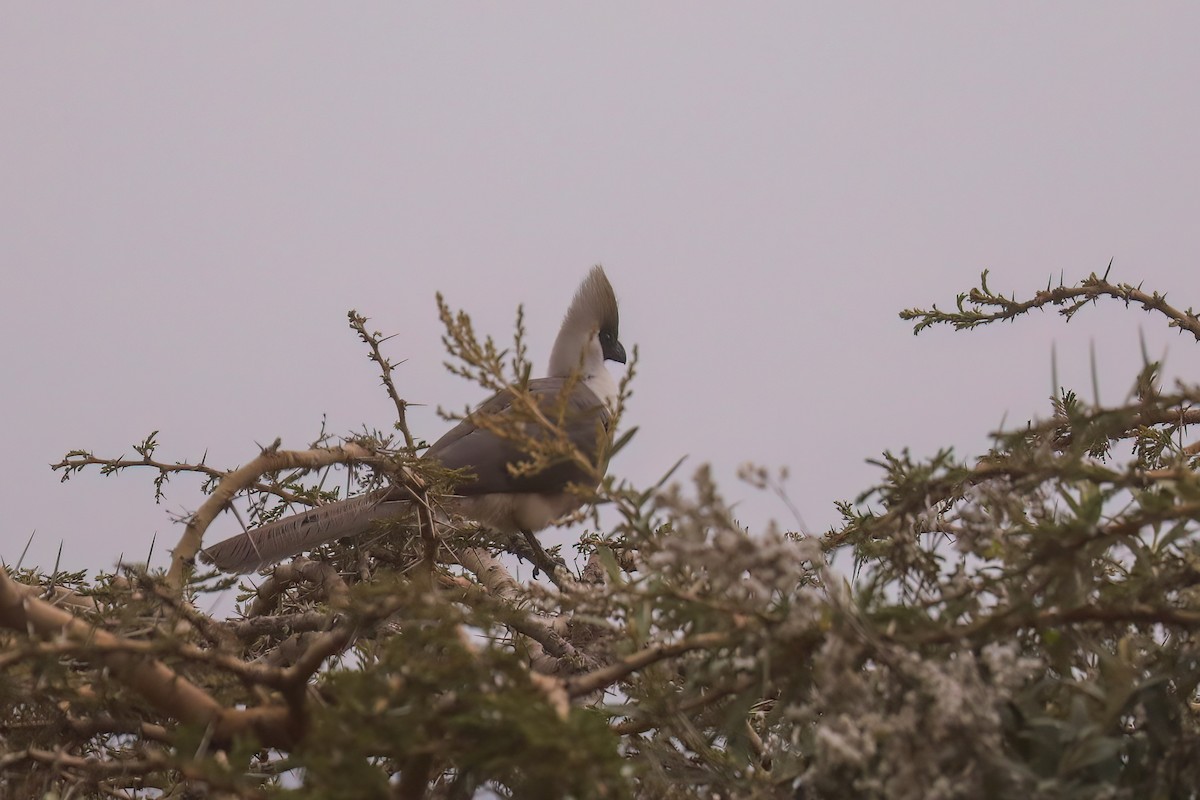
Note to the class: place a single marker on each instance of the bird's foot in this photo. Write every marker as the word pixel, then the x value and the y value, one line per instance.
pixel 537 555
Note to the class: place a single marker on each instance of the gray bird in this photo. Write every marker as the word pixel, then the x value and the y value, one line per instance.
pixel 491 494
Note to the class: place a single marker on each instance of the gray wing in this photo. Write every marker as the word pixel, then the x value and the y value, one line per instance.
pixel 486 456
pixel 289 536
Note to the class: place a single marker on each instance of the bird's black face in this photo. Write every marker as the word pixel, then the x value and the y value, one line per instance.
pixel 611 346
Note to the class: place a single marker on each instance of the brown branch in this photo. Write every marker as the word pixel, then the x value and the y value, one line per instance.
pixel 430 541
pixel 696 703
pixel 414 777
pixel 606 676
pixel 193 618
pixel 278 625
pixel 92 726
pixel 501 589
pixel 1128 526
pixel 940 488
pixel 324 646
pixel 77 461
pixel 321 575
pixel 528 625
pixel 1094 287
pixel 1010 619
pixel 149 762
pixel 271 459
pixel 62 596
pixel 252 673
pixel 1074 298
pixel 163 688
pixel 359 324
pixel 489 571
pixel 1137 613
pixel 97 770
pixel 1167 416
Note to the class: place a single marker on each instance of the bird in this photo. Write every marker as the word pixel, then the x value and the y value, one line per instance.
pixel 577 386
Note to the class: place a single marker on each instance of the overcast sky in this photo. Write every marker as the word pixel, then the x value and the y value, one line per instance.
pixel 193 195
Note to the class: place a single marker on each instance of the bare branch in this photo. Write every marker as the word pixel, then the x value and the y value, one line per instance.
pixel 162 687
pixel 373 340
pixel 606 676
pixel 1074 298
pixel 271 459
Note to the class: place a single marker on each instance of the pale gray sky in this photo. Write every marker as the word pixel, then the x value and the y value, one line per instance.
pixel 193 195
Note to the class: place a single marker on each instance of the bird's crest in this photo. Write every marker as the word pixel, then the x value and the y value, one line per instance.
pixel 594 306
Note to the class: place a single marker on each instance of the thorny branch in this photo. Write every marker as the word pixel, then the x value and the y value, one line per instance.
pixel 1040 599
pixel 77 460
pixel 161 686
pixel 373 341
pixel 271 459
pixel 607 676
pixel 1089 290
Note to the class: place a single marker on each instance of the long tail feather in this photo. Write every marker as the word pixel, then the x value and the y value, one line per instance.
pixel 293 535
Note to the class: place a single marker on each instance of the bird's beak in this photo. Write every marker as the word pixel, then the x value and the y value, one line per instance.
pixel 615 352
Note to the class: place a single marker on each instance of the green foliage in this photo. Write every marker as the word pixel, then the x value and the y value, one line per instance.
pixel 1021 624
pixel 430 692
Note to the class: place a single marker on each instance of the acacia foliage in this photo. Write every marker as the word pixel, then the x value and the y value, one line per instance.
pixel 1020 624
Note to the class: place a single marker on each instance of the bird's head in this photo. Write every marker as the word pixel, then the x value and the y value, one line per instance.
pixel 591 328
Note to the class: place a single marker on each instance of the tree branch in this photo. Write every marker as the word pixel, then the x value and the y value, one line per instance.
pixel 271 459
pixel 166 690
pixel 606 676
